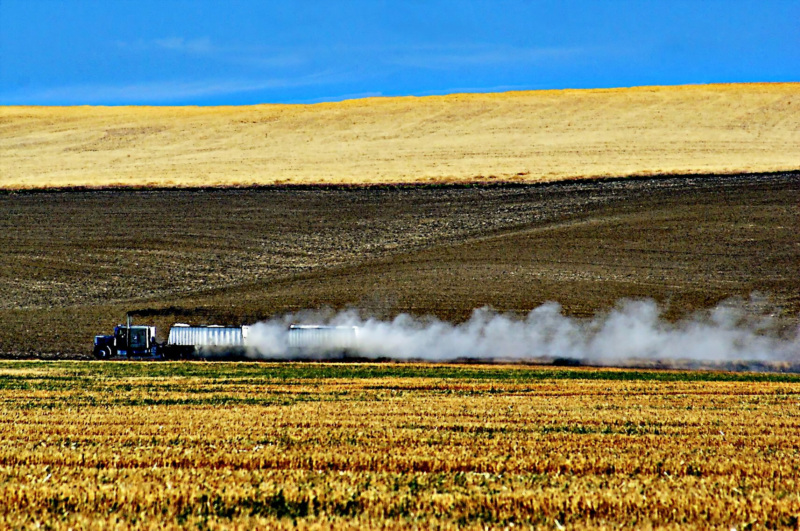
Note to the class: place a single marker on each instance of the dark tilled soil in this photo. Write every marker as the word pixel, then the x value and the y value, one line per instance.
pixel 72 263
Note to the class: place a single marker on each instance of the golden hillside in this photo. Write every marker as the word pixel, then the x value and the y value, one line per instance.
pixel 530 136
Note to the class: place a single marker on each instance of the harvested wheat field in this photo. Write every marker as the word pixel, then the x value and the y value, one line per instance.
pixel 245 446
pixel 517 136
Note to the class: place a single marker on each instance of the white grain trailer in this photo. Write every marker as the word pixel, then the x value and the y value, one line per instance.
pixel 321 340
pixel 209 339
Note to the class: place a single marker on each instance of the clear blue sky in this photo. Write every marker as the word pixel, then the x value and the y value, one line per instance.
pixel 208 52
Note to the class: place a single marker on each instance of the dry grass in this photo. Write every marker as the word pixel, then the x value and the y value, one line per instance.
pixel 519 136
pixel 245 446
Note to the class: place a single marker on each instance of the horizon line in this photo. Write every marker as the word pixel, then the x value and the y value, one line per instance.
pixel 434 94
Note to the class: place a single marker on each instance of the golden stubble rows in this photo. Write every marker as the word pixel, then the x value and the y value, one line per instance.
pixel 518 136
pixel 393 452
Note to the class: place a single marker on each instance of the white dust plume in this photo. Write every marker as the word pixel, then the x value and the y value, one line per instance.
pixel 633 330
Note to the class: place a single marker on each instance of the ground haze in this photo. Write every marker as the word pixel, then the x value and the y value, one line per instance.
pixel 517 136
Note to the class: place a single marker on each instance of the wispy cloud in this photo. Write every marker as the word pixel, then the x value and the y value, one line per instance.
pixel 179 44
pixel 425 56
pixel 198 46
pixel 459 56
pixel 161 92
pixel 257 57
pixel 267 59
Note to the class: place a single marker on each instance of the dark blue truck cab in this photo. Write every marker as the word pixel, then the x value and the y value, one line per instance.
pixel 128 341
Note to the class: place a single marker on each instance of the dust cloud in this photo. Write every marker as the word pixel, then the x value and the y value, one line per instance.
pixel 633 330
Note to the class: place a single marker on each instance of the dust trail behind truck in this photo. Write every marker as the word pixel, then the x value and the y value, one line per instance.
pixel 321 341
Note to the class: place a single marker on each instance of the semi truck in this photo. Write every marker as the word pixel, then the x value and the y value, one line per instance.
pixel 184 342
pixel 222 342
pixel 128 341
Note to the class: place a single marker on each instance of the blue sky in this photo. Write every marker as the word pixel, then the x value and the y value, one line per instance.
pixel 204 52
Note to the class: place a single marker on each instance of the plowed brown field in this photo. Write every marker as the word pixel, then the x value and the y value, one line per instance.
pixel 72 263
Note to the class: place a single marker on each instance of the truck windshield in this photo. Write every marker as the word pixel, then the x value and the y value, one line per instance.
pixel 138 338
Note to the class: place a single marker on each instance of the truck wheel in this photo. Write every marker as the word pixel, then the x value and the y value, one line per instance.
pixel 102 353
